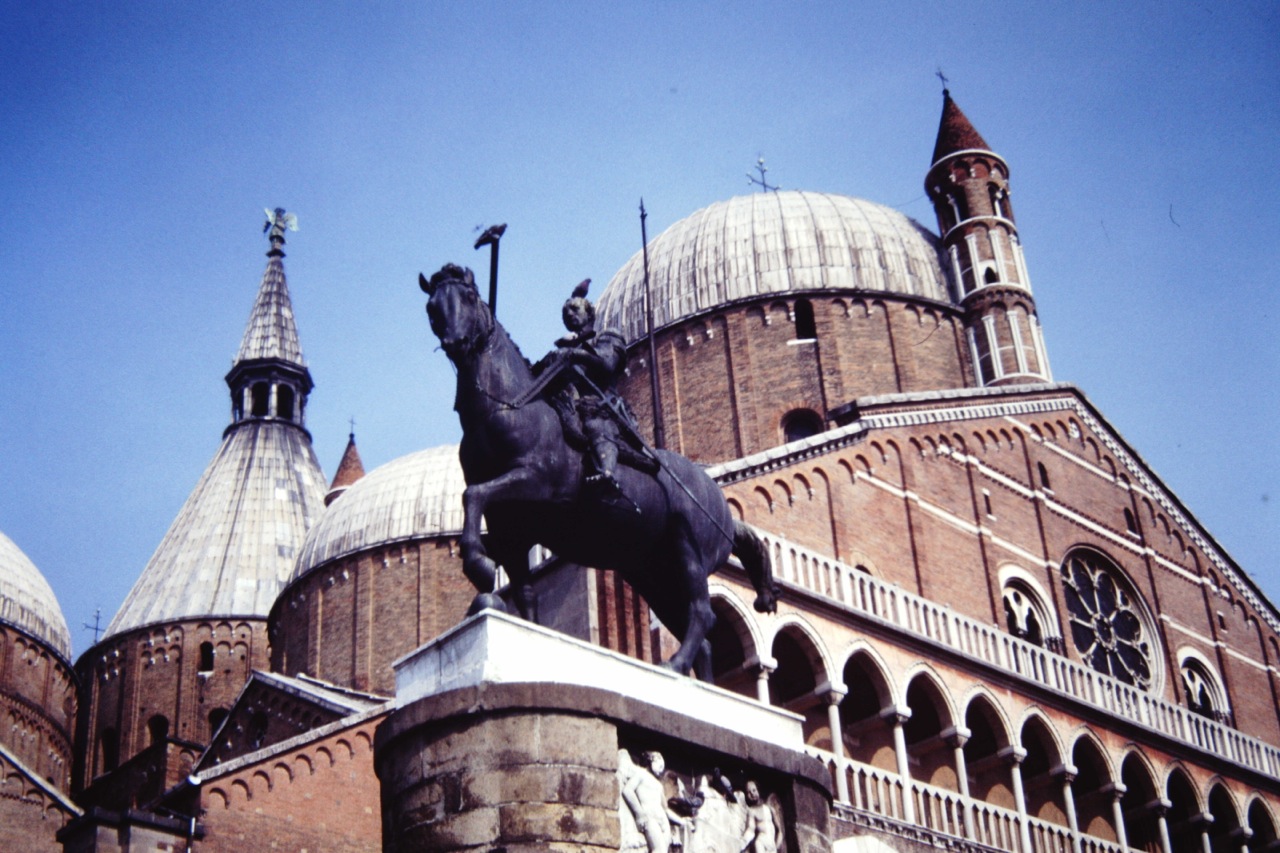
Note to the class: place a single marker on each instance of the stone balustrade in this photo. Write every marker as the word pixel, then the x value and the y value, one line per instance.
pixel 893 607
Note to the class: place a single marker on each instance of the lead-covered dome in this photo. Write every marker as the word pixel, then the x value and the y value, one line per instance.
pixel 27 601
pixel 413 497
pixel 773 243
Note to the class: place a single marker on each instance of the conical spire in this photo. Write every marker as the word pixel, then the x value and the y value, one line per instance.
pixel 955 133
pixel 350 469
pixel 231 548
pixel 271 332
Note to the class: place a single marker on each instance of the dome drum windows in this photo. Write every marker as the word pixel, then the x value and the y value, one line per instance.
pixel 1108 624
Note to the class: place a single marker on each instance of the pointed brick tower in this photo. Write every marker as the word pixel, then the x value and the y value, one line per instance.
pixel 968 184
pixel 193 627
pixel 350 469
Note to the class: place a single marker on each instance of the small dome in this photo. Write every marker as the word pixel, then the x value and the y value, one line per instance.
pixel 778 242
pixel 27 601
pixel 413 497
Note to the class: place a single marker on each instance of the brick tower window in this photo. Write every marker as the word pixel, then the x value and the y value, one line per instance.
pixel 206 657
pixel 800 423
pixel 1107 625
pixel 806 327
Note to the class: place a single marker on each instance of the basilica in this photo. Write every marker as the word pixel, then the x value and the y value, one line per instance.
pixel 997 628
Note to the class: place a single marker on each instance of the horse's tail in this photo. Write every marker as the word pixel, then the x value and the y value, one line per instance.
pixel 755 559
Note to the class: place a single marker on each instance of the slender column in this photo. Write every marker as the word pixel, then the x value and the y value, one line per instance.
pixel 1161 807
pixel 1242 834
pixel 897 716
pixel 1206 823
pixel 956 737
pixel 1068 774
pixel 833 696
pixel 1116 790
pixel 1015 755
pixel 765 668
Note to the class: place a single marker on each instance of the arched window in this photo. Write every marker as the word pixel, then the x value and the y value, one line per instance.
pixel 1024 615
pixel 216 717
pixel 800 423
pixel 1108 623
pixel 990 276
pixel 109 741
pixel 257 729
pixel 259 399
pixel 284 402
pixel 158 726
pixel 806 327
pixel 1205 695
pixel 206 657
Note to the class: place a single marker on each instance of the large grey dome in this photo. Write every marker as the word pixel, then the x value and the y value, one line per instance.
pixel 769 243
pixel 27 601
pixel 415 496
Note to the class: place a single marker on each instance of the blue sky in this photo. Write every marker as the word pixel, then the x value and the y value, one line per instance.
pixel 141 141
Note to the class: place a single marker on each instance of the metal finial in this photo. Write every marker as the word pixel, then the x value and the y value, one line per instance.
pixel 764 185
pixel 277 221
pixel 944 80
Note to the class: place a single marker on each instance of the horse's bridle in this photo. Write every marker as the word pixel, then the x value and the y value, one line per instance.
pixel 488 338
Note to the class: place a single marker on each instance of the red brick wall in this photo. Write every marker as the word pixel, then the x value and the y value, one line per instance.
pixel 941 510
pixel 132 677
pixel 37 706
pixel 345 622
pixel 728 378
pixel 321 795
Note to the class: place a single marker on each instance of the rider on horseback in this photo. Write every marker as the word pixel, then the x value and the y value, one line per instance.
pixel 600 359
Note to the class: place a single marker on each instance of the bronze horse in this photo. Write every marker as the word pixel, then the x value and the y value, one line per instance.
pixel 527 484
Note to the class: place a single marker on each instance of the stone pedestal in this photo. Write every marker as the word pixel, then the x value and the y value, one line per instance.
pixel 509 736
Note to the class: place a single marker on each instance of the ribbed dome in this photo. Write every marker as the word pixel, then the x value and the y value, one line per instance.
pixel 27 601
pixel 412 497
pixel 776 242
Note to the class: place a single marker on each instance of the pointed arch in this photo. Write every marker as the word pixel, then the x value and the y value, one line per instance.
pixel 1095 779
pixel 868 737
pixel 802 674
pixel 930 725
pixel 1185 812
pixel 735 644
pixel 1142 802
pixel 986 752
pixel 1042 768
pixel 1224 831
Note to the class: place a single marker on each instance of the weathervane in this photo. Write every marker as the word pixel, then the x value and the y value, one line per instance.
pixel 277 221
pixel 764 185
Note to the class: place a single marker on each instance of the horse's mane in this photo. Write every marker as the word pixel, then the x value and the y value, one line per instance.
pixel 498 327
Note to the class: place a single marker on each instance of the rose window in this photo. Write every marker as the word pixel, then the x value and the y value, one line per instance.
pixel 1105 622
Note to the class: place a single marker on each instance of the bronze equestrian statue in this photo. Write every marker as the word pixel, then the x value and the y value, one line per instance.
pixel 527 483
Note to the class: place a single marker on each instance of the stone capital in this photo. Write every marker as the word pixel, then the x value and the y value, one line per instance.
pixel 896 715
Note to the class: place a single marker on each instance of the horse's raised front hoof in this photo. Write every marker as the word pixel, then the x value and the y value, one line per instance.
pixel 767 601
pixel 487 601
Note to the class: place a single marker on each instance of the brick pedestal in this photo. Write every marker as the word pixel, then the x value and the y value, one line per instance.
pixel 508 736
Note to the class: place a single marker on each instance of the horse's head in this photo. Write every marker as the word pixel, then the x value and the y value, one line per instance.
pixel 458 317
